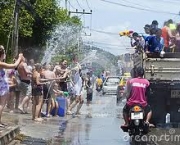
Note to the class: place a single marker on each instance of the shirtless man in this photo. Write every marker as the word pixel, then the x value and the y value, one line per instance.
pixel 47 88
pixel 30 66
pixel 62 72
pixel 25 85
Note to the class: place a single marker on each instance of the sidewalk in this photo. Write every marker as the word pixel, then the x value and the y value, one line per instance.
pixel 10 131
pixel 31 130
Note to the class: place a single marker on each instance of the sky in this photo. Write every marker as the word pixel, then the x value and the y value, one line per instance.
pixel 108 19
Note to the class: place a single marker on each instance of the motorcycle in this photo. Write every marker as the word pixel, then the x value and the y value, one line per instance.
pixel 98 88
pixel 137 126
pixel 120 93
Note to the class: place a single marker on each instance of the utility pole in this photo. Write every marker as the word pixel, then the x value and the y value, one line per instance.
pixel 84 13
pixel 16 28
pixel 66 6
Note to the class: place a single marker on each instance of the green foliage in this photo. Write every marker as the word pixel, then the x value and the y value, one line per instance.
pixel 6 15
pixel 25 23
pixel 47 16
pixel 69 53
pixel 37 20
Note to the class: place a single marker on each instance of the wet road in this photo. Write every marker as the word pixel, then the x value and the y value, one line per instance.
pixel 98 124
pixel 101 128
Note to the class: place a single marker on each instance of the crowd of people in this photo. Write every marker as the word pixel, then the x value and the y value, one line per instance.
pixel 154 41
pixel 158 39
pixel 26 83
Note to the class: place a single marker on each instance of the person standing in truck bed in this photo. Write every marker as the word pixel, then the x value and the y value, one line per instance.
pixel 177 43
pixel 155 43
pixel 138 43
pixel 167 36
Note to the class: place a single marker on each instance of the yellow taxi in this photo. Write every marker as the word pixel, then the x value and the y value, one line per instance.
pixel 124 79
pixel 121 86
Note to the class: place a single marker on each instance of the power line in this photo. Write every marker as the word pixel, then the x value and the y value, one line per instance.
pixel 84 20
pixel 79 4
pixel 138 8
pixel 88 4
pixel 135 4
pixel 108 44
pixel 99 31
pixel 113 45
pixel 110 33
pixel 90 23
pixel 122 44
pixel 100 46
pixel 71 5
pixel 169 1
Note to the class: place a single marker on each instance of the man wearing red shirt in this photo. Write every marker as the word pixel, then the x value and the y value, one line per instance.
pixel 136 94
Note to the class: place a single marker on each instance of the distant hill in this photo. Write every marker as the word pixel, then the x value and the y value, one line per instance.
pixel 107 55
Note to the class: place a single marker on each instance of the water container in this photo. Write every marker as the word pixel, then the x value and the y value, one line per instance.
pixel 167 118
pixel 62 107
pixel 44 110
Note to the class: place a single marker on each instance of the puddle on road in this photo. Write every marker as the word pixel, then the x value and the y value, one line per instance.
pixel 91 131
pixel 34 141
pixel 102 128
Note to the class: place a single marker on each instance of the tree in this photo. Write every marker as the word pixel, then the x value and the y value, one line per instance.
pixel 37 20
pixel 68 55
pixel 6 18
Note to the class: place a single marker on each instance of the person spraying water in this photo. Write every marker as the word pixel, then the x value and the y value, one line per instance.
pixel 126 33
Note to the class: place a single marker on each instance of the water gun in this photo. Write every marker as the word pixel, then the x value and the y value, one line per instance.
pixel 66 94
pixel 125 33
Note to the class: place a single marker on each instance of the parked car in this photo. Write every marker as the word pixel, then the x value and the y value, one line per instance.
pixel 121 87
pixel 110 85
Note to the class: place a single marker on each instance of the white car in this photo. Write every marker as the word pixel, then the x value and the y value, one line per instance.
pixel 110 85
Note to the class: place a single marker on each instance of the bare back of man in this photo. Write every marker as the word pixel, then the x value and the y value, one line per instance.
pixel 25 85
pixel 47 88
pixel 24 71
pixel 49 74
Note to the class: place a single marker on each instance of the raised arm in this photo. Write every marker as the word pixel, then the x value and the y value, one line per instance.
pixel 11 66
pixel 170 33
pixel 27 69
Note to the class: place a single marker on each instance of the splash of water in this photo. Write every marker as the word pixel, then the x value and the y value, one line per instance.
pixel 63 37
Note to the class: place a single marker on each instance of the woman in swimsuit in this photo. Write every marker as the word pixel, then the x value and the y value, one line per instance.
pixel 4 86
pixel 54 104
pixel 63 75
pixel 37 88
pixel 178 38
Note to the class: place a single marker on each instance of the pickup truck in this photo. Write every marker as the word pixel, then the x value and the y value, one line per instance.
pixel 163 94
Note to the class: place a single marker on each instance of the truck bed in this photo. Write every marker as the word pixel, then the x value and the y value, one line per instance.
pixel 157 68
pixel 164 91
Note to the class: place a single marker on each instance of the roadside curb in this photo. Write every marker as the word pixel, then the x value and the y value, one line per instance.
pixel 8 134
